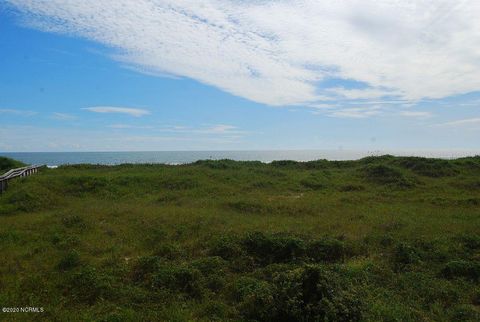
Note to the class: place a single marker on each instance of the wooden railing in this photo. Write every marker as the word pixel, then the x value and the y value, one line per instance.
pixel 15 173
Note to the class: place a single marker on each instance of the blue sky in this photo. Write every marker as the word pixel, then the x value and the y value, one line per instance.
pixel 169 75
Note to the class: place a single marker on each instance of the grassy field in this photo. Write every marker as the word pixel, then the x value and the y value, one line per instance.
pixel 378 239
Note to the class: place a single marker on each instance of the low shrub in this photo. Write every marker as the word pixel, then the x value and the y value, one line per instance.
pixel 255 298
pixel 85 184
pixel 326 249
pixel 463 269
pixel 248 207
pixel 308 293
pixel 427 167
pixel 470 242
pixel 227 247
pixel 464 313
pixel 87 285
pixel 267 249
pixel 70 260
pixel 284 163
pixel 352 188
pixel 178 183
pixel 313 184
pixel 7 164
pixel 214 311
pixel 30 197
pixel 182 279
pixel 209 265
pixel 387 175
pixel 74 221
pixel 404 255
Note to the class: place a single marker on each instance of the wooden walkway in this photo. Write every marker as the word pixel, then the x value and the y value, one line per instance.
pixel 15 173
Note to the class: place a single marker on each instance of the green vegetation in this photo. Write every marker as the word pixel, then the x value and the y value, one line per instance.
pixel 378 239
pixel 7 164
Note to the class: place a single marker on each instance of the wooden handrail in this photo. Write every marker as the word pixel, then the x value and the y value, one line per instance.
pixel 15 173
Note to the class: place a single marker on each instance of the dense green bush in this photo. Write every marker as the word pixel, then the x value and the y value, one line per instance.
pixel 405 254
pixel 70 260
pixel 309 293
pixel 7 164
pixel 266 249
pixel 462 268
pixel 28 197
pixel 313 183
pixel 387 175
pixel 255 299
pixel 88 285
pixel 86 184
pixel 427 167
pixel 177 278
pixel 326 249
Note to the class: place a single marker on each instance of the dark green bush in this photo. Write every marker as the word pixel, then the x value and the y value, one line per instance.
pixel 154 272
pixel 218 164
pixel 314 293
pixel 144 268
pixel 248 207
pixel 209 265
pixel 227 247
pixel 69 260
pixel 214 311
pixel 326 249
pixel 178 183
pixel 168 250
pixel 351 188
pixel 464 313
pixel 255 298
pixel 470 242
pixel 74 221
pixel 404 255
pixel 313 184
pixel 284 163
pixel 267 249
pixel 88 286
pixel 7 164
pixel 86 184
pixel 182 279
pixel 30 197
pixel 309 293
pixel 462 268
pixel 427 167
pixel 64 241
pixel 387 175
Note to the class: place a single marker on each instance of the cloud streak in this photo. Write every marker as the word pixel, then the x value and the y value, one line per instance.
pixel 119 110
pixel 17 112
pixel 281 52
pixel 461 123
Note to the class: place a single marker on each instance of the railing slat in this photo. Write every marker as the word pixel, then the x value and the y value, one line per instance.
pixel 14 173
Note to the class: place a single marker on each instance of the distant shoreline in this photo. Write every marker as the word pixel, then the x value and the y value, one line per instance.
pixel 183 157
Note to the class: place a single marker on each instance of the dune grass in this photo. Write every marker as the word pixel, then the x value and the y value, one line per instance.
pixel 7 164
pixel 378 239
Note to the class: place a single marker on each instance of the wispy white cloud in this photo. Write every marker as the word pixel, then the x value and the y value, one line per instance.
pixel 461 123
pixel 121 110
pixel 278 52
pixel 356 112
pixel 418 114
pixel 63 116
pixel 217 130
pixel 17 112
pixel 128 126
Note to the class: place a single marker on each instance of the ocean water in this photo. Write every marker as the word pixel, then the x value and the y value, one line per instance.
pixel 179 157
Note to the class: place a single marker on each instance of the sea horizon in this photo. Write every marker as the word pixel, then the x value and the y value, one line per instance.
pixel 53 158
